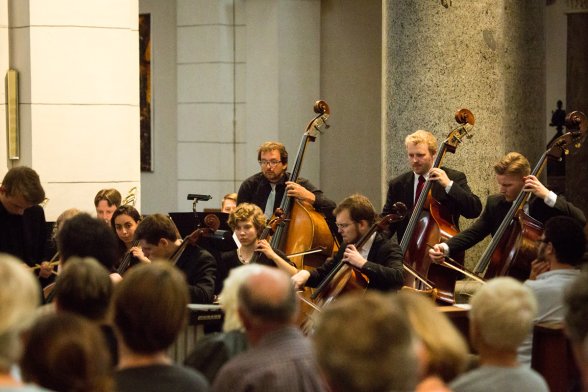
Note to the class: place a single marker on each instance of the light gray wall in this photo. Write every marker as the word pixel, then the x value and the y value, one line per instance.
pixel 158 189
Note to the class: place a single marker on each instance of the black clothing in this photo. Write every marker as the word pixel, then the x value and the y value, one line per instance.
pixel 257 188
pixel 229 260
pixel 156 378
pixel 214 350
pixel 459 201
pixel 24 236
pixel 496 209
pixel 384 267
pixel 200 268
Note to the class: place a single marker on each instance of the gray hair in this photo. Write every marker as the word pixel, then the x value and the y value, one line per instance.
pixel 19 296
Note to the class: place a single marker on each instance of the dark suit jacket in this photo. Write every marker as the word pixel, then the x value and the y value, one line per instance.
pixel 24 236
pixel 495 211
pixel 256 190
pixel 459 201
pixel 199 266
pixel 384 267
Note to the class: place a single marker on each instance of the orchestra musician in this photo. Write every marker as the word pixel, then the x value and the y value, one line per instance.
pixel 229 202
pixel 450 187
pixel 159 238
pixel 247 222
pixel 22 221
pixel 266 188
pixel 512 176
pixel 124 222
pixel 380 259
pixel 106 202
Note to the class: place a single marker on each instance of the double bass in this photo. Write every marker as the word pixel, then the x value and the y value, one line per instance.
pixel 304 230
pixel 430 224
pixel 514 245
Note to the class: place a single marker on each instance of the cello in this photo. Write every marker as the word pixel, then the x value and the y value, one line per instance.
pixel 430 223
pixel 514 245
pixel 303 229
pixel 343 278
pixel 211 223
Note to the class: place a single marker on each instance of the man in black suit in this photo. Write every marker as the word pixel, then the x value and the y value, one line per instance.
pixel 22 220
pixel 512 175
pixel 380 258
pixel 449 187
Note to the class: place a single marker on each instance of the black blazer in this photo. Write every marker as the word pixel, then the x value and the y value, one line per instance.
pixel 384 267
pixel 496 209
pixel 460 201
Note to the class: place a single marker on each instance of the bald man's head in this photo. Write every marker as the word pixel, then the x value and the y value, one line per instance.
pixel 268 297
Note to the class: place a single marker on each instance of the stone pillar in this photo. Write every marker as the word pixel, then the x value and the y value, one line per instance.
pixel 79 101
pixel 487 56
pixel 577 99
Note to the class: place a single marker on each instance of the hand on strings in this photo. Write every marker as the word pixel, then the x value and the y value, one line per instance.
pixel 264 247
pixel 138 254
pixel 352 256
pixel 436 253
pixel 439 175
pixel 533 185
pixel 298 191
pixel 537 268
pixel 45 269
pixel 299 279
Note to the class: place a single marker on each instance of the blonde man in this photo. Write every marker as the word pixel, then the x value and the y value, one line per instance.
pixel 512 176
pixel 449 187
pixel 500 318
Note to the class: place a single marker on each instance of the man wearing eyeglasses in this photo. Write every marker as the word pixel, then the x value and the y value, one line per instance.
pixel 380 258
pixel 267 187
pixel 560 252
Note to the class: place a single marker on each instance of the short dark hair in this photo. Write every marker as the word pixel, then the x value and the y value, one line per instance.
pixel 84 236
pixel 24 181
pixel 155 227
pixel 111 195
pixel 270 146
pixel 567 237
pixel 359 207
pixel 150 307
pixel 576 303
pixel 65 352
pixel 84 287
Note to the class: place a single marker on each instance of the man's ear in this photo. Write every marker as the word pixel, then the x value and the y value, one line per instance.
pixel 363 224
pixel 163 242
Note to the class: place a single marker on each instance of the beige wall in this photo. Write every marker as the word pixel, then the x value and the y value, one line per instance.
pixel 79 101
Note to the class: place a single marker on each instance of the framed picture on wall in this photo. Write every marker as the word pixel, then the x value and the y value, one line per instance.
pixel 146 93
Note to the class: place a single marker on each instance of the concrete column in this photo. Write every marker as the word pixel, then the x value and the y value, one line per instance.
pixel 577 99
pixel 79 100
pixel 487 56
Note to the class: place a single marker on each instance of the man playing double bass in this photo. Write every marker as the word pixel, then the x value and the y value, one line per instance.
pixel 267 187
pixel 450 187
pixel 380 259
pixel 512 176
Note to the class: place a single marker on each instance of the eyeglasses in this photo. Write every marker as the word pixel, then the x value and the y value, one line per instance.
pixel 342 225
pixel 269 163
pixel 540 240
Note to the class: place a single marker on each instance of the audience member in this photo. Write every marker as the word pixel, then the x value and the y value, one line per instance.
pixel 446 351
pixel 67 353
pixel 150 309
pixel 85 288
pixel 501 316
pixel 159 238
pixel 214 350
pixel 19 296
pixel 281 358
pixel 84 236
pixel 364 343
pixel 560 251
pixel 576 316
